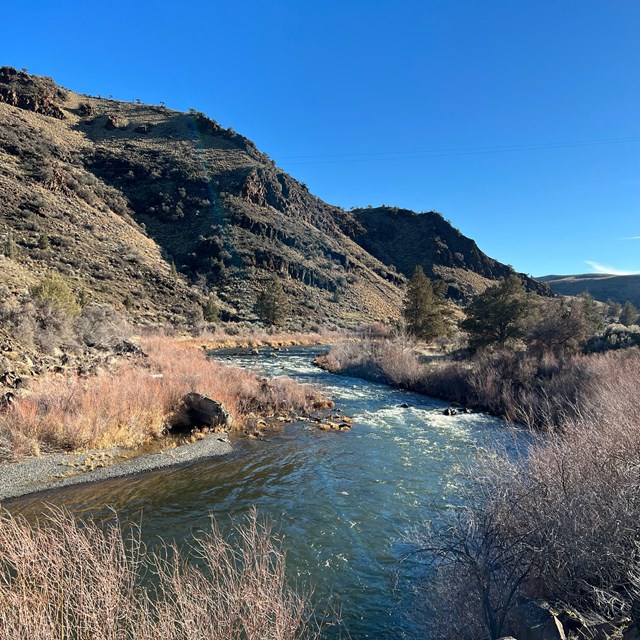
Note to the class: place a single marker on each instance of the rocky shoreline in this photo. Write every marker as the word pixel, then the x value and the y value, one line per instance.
pixel 58 470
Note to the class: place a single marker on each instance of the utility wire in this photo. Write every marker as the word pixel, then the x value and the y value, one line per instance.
pixel 409 155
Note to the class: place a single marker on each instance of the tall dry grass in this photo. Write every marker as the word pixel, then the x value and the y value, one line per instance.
pixel 63 579
pixel 230 336
pixel 131 405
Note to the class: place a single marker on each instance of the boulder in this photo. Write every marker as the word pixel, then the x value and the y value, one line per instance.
pixel 450 411
pixel 7 400
pixel 197 411
pixel 536 620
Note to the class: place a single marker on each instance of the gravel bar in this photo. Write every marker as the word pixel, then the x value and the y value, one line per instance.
pixel 58 470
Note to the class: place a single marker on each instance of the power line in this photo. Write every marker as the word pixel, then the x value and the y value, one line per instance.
pixel 409 155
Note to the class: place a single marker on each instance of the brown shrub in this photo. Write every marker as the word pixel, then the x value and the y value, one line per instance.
pixel 130 406
pixel 560 524
pixel 62 578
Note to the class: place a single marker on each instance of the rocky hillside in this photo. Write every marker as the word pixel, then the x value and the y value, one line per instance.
pixel 601 286
pixel 155 211
pixel 404 239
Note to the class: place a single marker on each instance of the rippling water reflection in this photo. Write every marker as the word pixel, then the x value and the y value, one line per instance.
pixel 341 502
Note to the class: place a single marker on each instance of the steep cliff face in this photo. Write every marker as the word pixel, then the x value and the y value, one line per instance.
pixel 154 210
pixel 405 239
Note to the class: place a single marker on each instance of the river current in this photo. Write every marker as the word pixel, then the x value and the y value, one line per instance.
pixel 342 503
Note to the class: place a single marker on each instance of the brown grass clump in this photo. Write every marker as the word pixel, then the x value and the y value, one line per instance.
pixel 541 391
pixel 229 337
pixel 64 579
pixel 131 405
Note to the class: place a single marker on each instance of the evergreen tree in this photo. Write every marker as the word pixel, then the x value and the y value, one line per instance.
pixel 43 241
pixel 210 310
pixel 425 309
pixel 629 314
pixel 498 315
pixel 593 311
pixel 272 304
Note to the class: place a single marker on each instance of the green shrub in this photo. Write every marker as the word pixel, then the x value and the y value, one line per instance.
pixel 55 290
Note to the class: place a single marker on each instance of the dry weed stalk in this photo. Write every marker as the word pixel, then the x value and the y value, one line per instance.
pixel 63 579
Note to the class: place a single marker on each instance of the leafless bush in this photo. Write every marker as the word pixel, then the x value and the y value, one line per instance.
pixel 65 579
pixel 563 521
pixel 393 361
pixel 100 325
pixel 476 574
pixel 36 323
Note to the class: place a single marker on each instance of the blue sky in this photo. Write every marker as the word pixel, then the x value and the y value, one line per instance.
pixel 519 121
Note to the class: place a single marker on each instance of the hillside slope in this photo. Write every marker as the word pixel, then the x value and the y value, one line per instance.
pixel 601 286
pixel 404 239
pixel 154 210
pixel 124 191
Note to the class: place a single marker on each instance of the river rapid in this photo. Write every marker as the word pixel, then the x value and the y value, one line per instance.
pixel 342 503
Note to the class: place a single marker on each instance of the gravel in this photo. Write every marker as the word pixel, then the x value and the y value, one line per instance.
pixel 65 469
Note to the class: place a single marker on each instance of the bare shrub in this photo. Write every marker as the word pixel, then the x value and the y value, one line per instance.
pixel 476 574
pixel 399 364
pixel 100 325
pixel 62 578
pixel 38 323
pixel 564 519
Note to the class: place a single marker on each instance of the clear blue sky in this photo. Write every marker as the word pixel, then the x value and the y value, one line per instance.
pixel 519 121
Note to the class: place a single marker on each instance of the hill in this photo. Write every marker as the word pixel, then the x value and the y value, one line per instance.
pixel 154 210
pixel 404 239
pixel 601 286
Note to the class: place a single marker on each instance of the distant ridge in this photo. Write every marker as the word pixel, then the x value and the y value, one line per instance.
pixel 601 286
pixel 404 239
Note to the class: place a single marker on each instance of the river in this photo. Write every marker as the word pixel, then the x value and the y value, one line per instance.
pixel 342 502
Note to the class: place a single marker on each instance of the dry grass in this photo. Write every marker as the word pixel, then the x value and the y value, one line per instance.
pixel 65 579
pixel 131 405
pixel 229 337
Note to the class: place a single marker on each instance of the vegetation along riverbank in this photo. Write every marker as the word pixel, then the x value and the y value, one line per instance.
pixel 550 538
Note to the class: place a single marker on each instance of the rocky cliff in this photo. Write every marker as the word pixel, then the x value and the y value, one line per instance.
pixel 404 239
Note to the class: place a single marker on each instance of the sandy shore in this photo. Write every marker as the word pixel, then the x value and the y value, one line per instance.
pixel 58 470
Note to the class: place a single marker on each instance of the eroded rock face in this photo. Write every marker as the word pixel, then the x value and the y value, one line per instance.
pixel 197 410
pixel 31 93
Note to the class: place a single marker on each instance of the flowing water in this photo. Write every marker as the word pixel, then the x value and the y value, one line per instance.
pixel 342 502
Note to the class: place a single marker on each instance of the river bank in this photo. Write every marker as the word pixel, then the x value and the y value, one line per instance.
pixel 563 519
pixel 168 404
pixel 59 470
pixel 341 501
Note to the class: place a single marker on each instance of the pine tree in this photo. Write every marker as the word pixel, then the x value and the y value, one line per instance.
pixel 425 309
pixel 210 310
pixel 272 304
pixel 497 315
pixel 629 314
